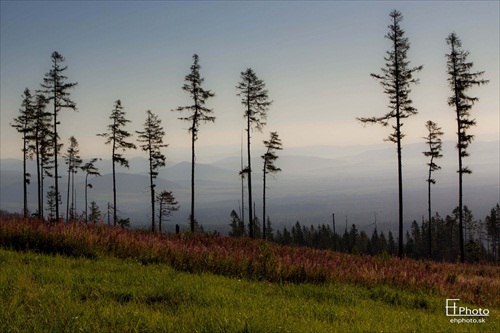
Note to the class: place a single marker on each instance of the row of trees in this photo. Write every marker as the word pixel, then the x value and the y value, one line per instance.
pixel 482 237
pixel 41 138
pixel 396 78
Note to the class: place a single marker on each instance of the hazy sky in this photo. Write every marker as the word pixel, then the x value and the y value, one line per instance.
pixel 315 57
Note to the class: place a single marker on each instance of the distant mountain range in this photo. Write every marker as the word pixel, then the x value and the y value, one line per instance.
pixel 358 184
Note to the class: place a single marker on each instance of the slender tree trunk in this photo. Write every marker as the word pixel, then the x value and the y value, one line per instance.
pixel 152 187
pixel 160 215
pixel 398 138
pixel 86 203
pixel 73 196
pixel 115 219
pixel 400 186
pixel 249 176
pixel 56 174
pixel 74 202
pixel 264 204
pixel 460 196
pixel 459 146
pixel 430 213
pixel 42 190
pixel 193 160
pixel 37 152
pixel 242 213
pixel 67 197
pixel 25 180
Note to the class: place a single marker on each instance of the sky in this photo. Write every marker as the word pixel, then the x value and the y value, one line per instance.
pixel 315 58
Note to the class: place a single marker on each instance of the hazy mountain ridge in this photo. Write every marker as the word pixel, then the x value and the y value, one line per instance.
pixel 357 184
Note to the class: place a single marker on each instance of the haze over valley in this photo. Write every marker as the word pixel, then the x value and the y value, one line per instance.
pixel 354 182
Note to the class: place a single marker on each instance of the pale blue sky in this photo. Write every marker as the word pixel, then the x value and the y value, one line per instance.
pixel 315 57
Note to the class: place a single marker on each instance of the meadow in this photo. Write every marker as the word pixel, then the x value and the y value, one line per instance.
pixel 73 277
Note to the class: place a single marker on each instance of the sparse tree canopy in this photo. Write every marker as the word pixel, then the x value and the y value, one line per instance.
pixel 433 139
pixel 167 204
pixel 90 169
pixel 396 79
pixel 42 145
pixel 273 144
pixel 461 79
pixel 255 99
pixel 198 113
pixel 73 161
pixel 152 139
pixel 116 136
pixel 24 124
pixel 56 90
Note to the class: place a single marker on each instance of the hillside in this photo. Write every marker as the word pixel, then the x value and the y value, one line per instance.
pixel 99 278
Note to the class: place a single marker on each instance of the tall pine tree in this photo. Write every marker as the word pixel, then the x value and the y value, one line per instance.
pixel 461 79
pixel 24 125
pixel 433 139
pixel 73 161
pixel 152 138
pixel 255 99
pixel 116 136
pixel 199 113
pixel 56 90
pixel 396 78
pixel 41 145
pixel 273 144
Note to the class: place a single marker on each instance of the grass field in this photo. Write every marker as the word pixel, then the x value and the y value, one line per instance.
pixel 43 293
pixel 119 285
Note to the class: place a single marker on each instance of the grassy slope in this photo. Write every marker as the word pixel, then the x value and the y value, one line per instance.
pixel 42 293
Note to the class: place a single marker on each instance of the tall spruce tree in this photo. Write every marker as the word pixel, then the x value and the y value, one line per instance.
pixel 152 137
pixel 198 113
pixel 396 79
pixel 461 79
pixel 24 125
pixel 433 140
pixel 90 169
pixel 73 161
pixel 41 145
pixel 56 90
pixel 273 144
pixel 255 99
pixel 116 136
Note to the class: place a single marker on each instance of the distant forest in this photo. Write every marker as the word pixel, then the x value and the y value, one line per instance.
pixel 482 237
pixel 457 236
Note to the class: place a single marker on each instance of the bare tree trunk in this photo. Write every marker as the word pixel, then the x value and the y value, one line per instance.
pixel 39 191
pixel 460 197
pixel 25 180
pixel 400 186
pixel 86 203
pixel 249 177
pixel 115 218
pixel 193 160
pixel 430 213
pixel 67 196
pixel 264 203
pixel 152 187
pixel 56 174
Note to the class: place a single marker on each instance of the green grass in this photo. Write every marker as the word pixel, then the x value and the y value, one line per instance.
pixel 44 293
